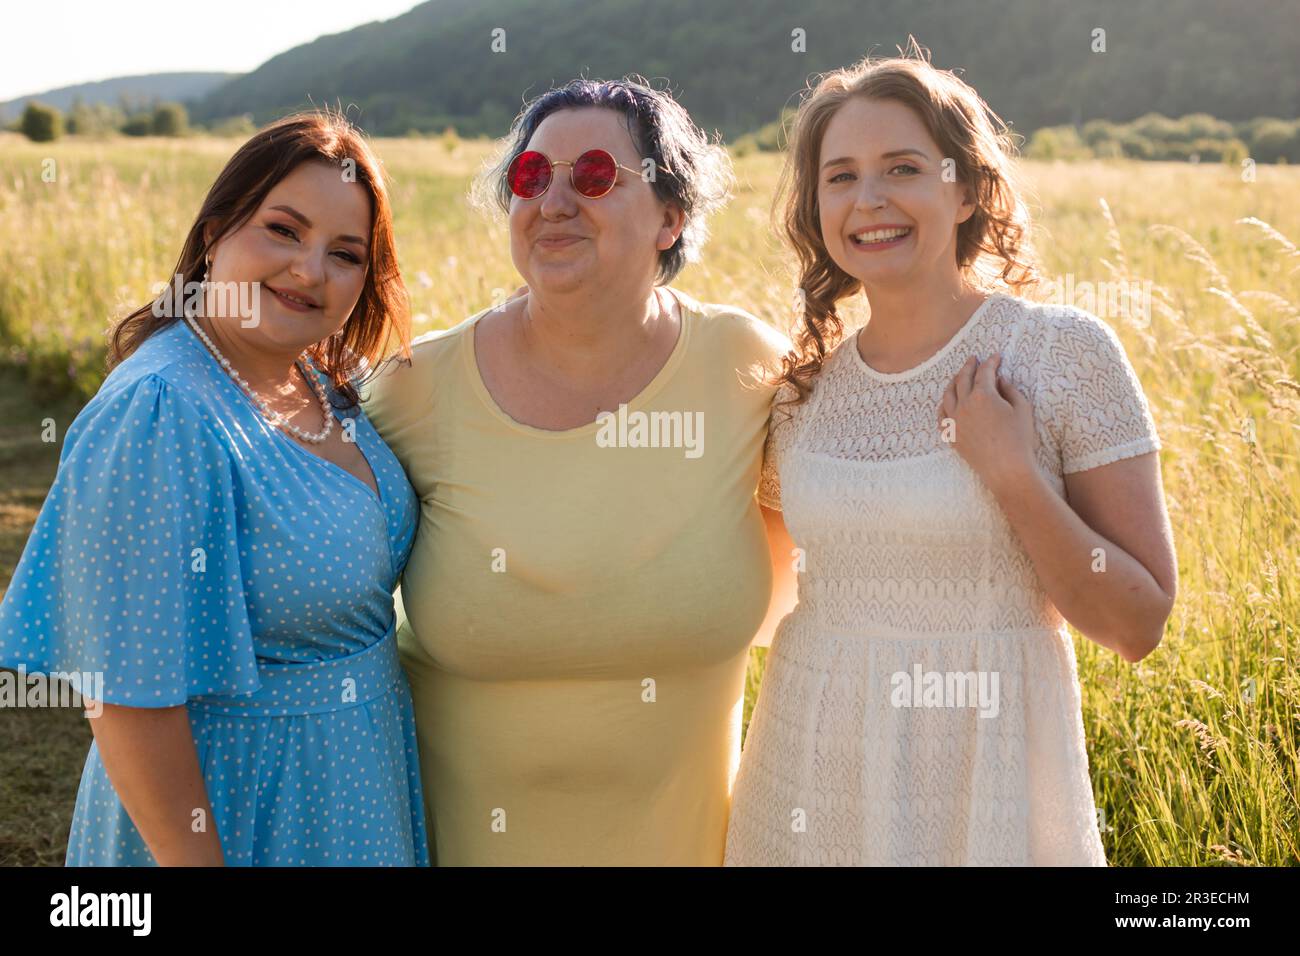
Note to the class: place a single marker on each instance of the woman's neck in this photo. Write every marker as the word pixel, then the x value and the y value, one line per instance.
pixel 589 337
pixel 915 320
pixel 267 372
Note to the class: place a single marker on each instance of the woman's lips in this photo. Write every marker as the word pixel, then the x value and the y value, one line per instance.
pixel 558 242
pixel 291 304
pixel 879 246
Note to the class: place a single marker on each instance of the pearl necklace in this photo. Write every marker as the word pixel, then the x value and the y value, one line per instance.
pixel 275 418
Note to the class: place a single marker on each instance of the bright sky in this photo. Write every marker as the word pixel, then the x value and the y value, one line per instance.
pixel 46 45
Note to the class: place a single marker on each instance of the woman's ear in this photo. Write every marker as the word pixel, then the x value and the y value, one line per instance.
pixel 207 242
pixel 673 224
pixel 968 206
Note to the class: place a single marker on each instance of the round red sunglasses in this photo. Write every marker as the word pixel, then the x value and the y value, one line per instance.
pixel 592 174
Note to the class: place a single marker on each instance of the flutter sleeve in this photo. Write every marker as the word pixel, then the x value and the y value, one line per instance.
pixel 1095 408
pixel 132 569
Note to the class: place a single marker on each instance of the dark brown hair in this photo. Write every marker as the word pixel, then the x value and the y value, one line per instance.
pixel 693 174
pixel 993 245
pixel 382 311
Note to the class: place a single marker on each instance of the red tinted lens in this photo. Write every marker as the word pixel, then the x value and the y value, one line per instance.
pixel 529 174
pixel 594 173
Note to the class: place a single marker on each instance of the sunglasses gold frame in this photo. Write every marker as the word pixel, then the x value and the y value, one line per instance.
pixel 570 163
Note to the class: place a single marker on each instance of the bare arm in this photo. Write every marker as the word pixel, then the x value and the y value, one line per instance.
pixel 784 579
pixel 150 758
pixel 1105 557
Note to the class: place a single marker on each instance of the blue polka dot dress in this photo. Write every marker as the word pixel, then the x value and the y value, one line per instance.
pixel 193 554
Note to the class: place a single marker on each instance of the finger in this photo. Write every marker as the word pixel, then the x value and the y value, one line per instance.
pixel 964 380
pixel 986 378
pixel 1007 390
pixel 944 412
pixel 1012 394
pixel 948 404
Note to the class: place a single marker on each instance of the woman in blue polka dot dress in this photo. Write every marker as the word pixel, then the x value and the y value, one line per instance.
pixel 222 540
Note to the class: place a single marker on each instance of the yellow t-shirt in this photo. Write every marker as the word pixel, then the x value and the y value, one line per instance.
pixel 578 605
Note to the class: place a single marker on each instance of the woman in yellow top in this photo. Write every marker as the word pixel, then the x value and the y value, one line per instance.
pixel 591 563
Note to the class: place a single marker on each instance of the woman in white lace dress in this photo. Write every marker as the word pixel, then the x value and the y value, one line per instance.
pixel 959 479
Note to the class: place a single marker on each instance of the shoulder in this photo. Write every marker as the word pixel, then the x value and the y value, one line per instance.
pixel 402 392
pixel 430 353
pixel 175 360
pixel 1063 327
pixel 730 337
pixel 169 354
pixel 146 427
pixel 735 328
pixel 1081 376
pixel 1058 343
pixel 166 376
pixel 786 408
pixel 433 347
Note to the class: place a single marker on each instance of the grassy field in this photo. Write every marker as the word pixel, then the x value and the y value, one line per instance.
pixel 41 750
pixel 1193 751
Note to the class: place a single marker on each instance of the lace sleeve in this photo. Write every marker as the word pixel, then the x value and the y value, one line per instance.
pixel 1093 402
pixel 780 426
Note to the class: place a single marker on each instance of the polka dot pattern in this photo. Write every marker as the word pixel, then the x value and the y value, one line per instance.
pixel 195 555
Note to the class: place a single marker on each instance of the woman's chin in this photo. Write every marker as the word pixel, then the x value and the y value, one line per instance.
pixel 882 274
pixel 289 334
pixel 553 280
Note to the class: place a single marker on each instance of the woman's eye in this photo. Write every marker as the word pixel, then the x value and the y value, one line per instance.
pixel 836 177
pixel 282 230
pixel 912 169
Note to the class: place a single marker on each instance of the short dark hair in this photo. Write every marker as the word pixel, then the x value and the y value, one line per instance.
pixel 691 172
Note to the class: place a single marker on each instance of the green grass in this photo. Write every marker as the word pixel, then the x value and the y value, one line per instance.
pixel 41 749
pixel 1193 751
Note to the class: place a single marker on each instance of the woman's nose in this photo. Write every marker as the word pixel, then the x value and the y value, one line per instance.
pixel 559 201
pixel 870 194
pixel 309 266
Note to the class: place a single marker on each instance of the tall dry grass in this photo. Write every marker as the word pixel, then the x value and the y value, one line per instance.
pixel 1193 751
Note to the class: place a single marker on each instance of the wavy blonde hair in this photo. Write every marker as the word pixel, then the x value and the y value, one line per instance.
pixel 994 252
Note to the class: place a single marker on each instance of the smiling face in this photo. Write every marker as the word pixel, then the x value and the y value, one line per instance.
pixel 307 240
pixel 562 241
pixel 880 168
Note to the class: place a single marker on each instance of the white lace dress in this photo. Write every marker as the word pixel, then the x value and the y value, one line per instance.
pixel 921 703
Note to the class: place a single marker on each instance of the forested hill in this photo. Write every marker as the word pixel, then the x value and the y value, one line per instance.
pixel 731 61
pixel 127 90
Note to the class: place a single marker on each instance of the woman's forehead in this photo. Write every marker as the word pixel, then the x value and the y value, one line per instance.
pixel 580 129
pixel 867 126
pixel 321 191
